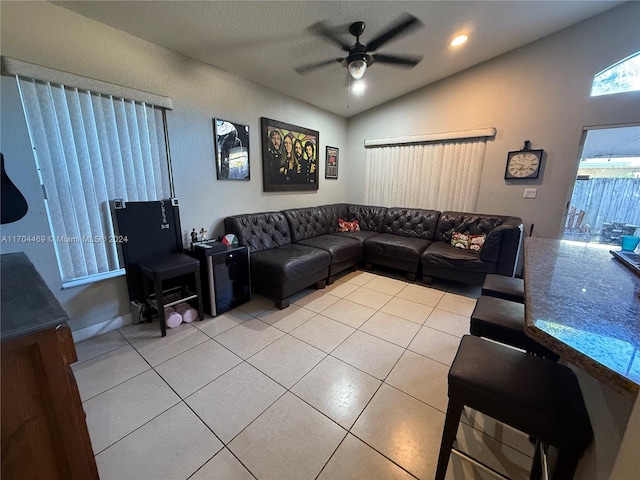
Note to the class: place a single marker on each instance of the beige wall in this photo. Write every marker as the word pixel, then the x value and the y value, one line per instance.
pixel 45 34
pixel 539 92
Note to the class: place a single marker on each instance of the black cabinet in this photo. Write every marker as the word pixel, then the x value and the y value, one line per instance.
pixel 225 275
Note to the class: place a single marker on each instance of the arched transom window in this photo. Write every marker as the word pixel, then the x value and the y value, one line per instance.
pixel 623 76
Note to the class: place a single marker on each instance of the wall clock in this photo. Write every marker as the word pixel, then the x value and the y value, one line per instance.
pixel 523 164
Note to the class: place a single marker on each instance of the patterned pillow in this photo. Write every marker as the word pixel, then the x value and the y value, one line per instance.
pixel 467 241
pixel 460 240
pixel 344 226
pixel 476 242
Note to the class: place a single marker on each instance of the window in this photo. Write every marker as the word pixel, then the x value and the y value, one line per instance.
pixel 91 148
pixel 438 171
pixel 624 76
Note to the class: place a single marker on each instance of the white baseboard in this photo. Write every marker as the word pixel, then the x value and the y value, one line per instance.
pixel 100 328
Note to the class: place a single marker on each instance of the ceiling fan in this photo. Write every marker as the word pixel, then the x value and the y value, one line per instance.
pixel 360 56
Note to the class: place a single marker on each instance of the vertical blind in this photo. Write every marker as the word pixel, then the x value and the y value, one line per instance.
pixel 441 175
pixel 91 148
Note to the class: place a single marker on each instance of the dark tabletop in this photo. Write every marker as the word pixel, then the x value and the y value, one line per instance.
pixel 28 305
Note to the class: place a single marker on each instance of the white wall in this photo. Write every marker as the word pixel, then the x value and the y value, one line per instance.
pixel 539 92
pixel 45 34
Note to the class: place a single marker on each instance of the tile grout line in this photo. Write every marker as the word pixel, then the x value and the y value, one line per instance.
pixel 289 389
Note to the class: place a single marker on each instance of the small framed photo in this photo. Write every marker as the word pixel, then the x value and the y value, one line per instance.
pixel 331 167
pixel 231 149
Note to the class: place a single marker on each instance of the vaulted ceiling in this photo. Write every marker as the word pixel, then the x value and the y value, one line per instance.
pixel 263 41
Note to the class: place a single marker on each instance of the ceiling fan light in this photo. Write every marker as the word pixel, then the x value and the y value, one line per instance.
pixel 358 87
pixel 357 69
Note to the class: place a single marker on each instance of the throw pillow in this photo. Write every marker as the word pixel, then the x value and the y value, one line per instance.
pixel 476 242
pixel 460 240
pixel 344 226
pixel 467 241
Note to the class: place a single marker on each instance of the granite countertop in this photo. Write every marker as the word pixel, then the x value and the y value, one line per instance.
pixel 27 304
pixel 583 304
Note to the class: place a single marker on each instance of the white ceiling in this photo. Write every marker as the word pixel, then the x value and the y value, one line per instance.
pixel 263 41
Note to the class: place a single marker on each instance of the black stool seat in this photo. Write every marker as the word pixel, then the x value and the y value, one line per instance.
pixel 503 321
pixel 500 286
pixel 531 394
pixel 170 266
pixel 166 268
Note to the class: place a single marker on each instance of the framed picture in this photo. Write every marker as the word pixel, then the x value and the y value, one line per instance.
pixel 289 157
pixel 232 150
pixel 331 167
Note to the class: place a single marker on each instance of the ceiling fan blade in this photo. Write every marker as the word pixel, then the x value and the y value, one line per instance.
pixel 329 33
pixel 313 66
pixel 403 61
pixel 404 25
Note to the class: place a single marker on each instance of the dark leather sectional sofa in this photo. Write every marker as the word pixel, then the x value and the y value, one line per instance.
pixel 294 249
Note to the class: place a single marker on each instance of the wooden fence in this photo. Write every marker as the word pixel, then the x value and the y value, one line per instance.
pixel 604 201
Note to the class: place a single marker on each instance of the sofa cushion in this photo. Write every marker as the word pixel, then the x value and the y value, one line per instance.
pixel 443 255
pixel 259 231
pixel 289 263
pixel 341 248
pixel 395 247
pixel 407 222
pixel 307 223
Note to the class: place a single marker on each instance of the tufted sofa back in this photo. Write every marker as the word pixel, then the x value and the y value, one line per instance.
pixel 307 222
pixel 259 231
pixel 369 218
pixel 475 224
pixel 333 213
pixel 504 235
pixel 407 222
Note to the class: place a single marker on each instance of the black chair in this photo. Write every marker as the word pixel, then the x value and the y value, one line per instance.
pixel 151 252
pixel 507 288
pixel 165 269
pixel 503 321
pixel 531 394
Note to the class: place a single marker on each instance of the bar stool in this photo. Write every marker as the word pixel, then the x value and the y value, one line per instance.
pixel 168 268
pixel 531 394
pixel 503 321
pixel 507 288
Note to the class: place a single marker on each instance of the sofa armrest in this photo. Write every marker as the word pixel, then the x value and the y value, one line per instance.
pixel 502 246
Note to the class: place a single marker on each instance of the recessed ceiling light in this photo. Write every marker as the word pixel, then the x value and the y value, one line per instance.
pixel 459 40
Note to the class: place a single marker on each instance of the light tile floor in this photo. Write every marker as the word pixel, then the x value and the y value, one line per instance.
pixel 349 382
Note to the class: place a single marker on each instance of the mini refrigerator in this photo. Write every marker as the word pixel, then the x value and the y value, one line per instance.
pixel 225 275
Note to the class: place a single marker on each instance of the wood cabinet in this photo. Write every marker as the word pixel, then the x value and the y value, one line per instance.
pixel 44 432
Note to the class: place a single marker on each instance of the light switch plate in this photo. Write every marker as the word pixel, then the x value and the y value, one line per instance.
pixel 530 193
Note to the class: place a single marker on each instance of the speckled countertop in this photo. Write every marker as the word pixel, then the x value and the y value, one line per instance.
pixel 27 305
pixel 584 305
